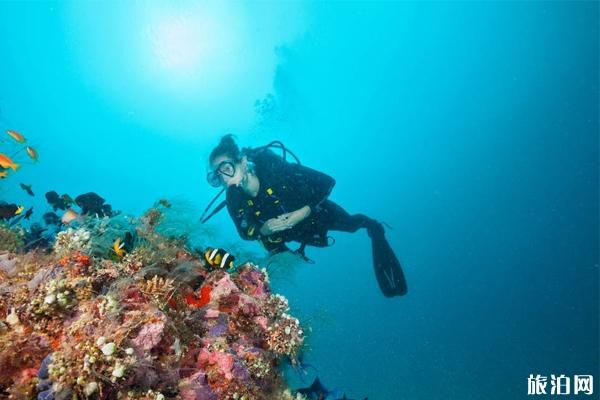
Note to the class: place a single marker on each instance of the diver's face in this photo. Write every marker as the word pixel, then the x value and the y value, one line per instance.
pixel 229 172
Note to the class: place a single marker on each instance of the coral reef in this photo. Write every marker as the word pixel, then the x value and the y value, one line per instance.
pixel 156 323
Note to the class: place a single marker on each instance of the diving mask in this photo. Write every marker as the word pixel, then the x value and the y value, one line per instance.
pixel 226 168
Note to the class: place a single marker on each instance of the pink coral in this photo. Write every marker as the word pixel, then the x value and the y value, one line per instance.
pixel 196 387
pixel 253 282
pixel 212 313
pixel 224 287
pixel 149 336
pixel 220 359
pixel 261 321
pixel 248 305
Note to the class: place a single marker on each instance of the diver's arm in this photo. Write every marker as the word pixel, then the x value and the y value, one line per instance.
pixel 295 217
pixel 308 184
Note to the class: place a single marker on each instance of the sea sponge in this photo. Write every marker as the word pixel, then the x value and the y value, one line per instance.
pixel 11 239
pixel 72 240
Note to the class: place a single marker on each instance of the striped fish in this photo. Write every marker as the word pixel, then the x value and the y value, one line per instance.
pixel 219 258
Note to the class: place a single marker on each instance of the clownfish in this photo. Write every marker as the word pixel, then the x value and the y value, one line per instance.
pixel 219 258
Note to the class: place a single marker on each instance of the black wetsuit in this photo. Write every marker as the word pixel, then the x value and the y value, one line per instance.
pixel 286 187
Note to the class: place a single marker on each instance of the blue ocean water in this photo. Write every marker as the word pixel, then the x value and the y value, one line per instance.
pixel 471 128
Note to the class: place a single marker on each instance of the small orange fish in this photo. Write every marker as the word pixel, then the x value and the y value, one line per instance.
pixel 16 135
pixel 204 299
pixel 31 153
pixel 6 162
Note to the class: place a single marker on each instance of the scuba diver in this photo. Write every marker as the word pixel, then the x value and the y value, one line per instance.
pixel 275 201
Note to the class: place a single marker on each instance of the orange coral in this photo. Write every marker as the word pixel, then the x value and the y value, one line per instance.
pixel 204 299
pixel 82 259
pixel 75 258
pixel 55 343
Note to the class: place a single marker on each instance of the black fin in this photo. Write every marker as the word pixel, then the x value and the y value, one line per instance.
pixel 388 270
pixel 314 391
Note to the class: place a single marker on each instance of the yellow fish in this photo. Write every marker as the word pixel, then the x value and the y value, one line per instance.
pixel 6 162
pixel 31 153
pixel 16 135
pixel 3 174
pixel 19 210
pixel 118 248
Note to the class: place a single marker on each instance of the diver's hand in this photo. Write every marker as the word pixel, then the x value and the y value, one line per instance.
pixel 284 221
pixel 281 223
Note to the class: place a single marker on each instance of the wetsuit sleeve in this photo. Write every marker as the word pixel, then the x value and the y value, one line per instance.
pixel 247 227
pixel 311 186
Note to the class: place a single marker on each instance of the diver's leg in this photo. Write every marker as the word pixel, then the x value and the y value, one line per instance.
pixel 388 270
pixel 338 219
